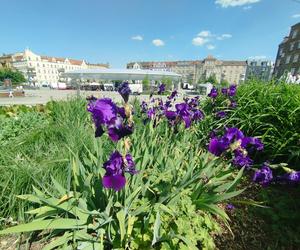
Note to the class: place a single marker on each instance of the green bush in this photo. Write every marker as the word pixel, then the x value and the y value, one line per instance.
pixel 269 111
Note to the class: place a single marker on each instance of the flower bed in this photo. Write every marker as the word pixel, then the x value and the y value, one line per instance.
pixel 156 175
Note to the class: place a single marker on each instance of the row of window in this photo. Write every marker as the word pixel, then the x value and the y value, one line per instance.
pixel 293 71
pixel 54 66
pixel 293 45
pixel 294 34
pixel 289 59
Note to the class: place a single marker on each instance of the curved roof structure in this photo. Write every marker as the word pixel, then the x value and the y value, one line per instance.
pixel 121 74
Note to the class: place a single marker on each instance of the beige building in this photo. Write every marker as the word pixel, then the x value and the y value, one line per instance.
pixel 199 70
pixel 44 69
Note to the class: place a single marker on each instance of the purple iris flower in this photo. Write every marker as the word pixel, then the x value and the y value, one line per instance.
pixel 170 115
pixel 193 103
pixel 292 177
pixel 221 114
pixel 130 165
pixel 161 88
pixel 230 207
pixel 121 112
pixel 173 95
pixel 233 104
pixel 151 113
pixel 115 168
pixel 264 175
pixel 218 146
pixel 224 91
pixel 124 91
pixel 182 110
pixel 197 115
pixel 168 104
pixel 103 111
pixel 241 160
pixel 117 133
pixel 144 106
pixel 114 177
pixel 232 90
pixel 213 93
pixel 233 134
pixel 252 143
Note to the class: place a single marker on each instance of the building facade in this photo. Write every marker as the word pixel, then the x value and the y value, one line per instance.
pixel 259 69
pixel 288 55
pixel 199 70
pixel 44 69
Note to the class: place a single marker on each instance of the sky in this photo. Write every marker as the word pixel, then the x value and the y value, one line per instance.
pixel 122 31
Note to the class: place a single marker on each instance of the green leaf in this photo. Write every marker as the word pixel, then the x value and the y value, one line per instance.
pixel 121 219
pixel 43 225
pixel 59 241
pixel 156 229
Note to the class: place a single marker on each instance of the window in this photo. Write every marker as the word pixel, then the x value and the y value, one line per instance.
pixel 293 71
pixel 294 34
pixel 281 51
pixel 298 44
pixel 292 46
pixel 295 58
pixel 278 63
pixel 288 59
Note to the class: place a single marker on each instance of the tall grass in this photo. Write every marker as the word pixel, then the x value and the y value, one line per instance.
pixel 42 151
pixel 269 111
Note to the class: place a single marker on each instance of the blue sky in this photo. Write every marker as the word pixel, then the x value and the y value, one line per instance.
pixel 119 31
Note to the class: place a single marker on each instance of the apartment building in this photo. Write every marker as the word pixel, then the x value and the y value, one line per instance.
pixel 198 70
pixel 288 55
pixel 44 69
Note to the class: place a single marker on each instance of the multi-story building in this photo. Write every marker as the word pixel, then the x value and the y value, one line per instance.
pixel 44 69
pixel 6 61
pixel 199 70
pixel 259 69
pixel 288 55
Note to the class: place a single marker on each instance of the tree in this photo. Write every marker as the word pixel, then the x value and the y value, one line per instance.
pixel 146 83
pixel 168 82
pixel 224 83
pixel 212 79
pixel 16 77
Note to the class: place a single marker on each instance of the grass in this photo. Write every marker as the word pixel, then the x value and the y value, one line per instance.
pixel 35 153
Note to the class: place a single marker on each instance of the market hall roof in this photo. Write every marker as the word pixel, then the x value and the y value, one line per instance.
pixel 121 74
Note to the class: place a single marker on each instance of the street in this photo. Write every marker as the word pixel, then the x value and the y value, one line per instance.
pixel 43 96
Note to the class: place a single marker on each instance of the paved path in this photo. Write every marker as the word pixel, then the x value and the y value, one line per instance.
pixel 43 96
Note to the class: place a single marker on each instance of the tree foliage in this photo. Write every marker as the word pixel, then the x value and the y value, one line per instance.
pixel 146 83
pixel 15 76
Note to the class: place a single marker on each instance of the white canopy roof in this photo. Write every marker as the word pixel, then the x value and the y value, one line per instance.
pixel 121 74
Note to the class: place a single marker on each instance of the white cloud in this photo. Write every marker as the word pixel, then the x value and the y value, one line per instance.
pixel 210 47
pixel 249 7
pixel 199 41
pixel 234 3
pixel 206 36
pixel 138 38
pixel 158 42
pixel 257 57
pixel 205 33
pixel 224 36
pixel 296 16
